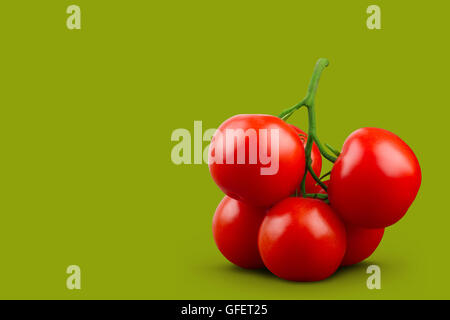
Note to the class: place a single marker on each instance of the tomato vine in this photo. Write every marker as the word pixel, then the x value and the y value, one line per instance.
pixel 309 103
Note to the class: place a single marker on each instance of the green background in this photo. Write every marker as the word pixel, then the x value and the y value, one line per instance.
pixel 86 118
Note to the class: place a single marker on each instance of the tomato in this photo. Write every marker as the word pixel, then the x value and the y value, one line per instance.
pixel 375 179
pixel 316 158
pixel 302 239
pixel 272 168
pixel 361 242
pixel 235 230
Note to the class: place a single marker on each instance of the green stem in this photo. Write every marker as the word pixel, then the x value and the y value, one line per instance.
pixel 325 175
pixel 337 153
pixel 323 150
pixel 321 64
pixel 319 181
pixel 308 147
pixel 288 112
pixel 309 103
pixel 316 196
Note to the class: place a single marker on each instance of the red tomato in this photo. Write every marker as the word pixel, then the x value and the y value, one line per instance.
pixel 235 230
pixel 361 242
pixel 316 158
pixel 278 169
pixel 375 179
pixel 302 239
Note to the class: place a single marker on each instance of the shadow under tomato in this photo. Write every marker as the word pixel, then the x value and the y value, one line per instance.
pixel 354 268
pixel 357 269
pixel 230 268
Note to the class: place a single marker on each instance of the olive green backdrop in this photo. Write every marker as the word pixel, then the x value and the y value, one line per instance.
pixel 86 118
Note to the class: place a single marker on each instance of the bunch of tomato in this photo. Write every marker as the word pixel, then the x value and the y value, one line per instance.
pixel 294 223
